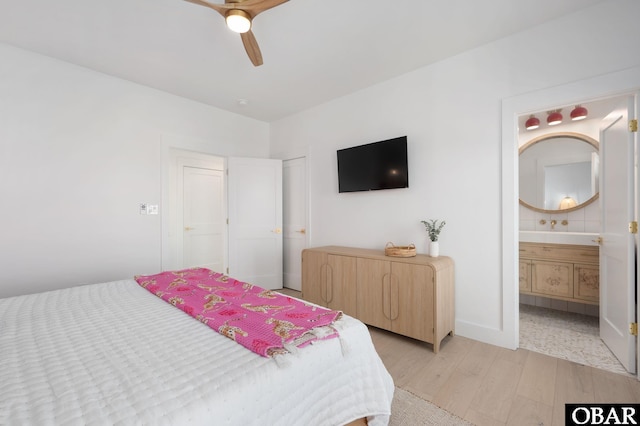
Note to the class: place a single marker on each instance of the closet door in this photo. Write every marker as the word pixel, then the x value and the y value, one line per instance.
pixel 294 182
pixel 195 216
pixel 204 215
pixel 255 221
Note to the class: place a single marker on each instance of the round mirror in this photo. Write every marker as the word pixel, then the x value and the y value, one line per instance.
pixel 559 172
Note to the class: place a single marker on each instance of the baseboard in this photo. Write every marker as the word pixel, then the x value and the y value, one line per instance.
pixel 490 335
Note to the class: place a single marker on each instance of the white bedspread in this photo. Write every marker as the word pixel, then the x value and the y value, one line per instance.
pixel 113 353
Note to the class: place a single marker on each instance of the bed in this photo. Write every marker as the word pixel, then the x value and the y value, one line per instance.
pixel 113 353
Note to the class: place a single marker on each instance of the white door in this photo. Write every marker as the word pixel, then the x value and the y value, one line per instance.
pixel 617 286
pixel 196 212
pixel 203 218
pixel 294 189
pixel 255 221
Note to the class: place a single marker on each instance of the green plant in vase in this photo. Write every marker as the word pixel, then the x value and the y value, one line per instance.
pixel 433 230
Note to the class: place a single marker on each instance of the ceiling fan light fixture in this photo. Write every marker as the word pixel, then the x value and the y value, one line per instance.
pixel 532 123
pixel 238 21
pixel 554 118
pixel 579 113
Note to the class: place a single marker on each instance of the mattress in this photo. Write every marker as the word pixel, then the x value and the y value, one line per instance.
pixel 113 353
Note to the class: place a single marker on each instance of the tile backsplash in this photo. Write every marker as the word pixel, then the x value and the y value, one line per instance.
pixel 586 219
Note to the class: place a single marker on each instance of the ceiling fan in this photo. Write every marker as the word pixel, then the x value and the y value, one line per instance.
pixel 239 15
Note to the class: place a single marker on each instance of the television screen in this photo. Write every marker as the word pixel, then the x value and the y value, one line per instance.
pixel 378 165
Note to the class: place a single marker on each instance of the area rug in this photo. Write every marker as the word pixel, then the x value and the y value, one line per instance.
pixel 409 410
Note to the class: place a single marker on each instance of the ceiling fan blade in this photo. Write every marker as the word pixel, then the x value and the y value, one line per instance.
pixel 251 46
pixel 254 7
pixel 220 8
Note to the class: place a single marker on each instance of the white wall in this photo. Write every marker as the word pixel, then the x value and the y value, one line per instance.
pixel 451 113
pixel 79 151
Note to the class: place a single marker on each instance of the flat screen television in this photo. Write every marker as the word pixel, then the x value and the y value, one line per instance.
pixel 374 166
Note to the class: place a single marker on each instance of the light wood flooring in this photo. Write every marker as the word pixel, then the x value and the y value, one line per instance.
pixel 489 385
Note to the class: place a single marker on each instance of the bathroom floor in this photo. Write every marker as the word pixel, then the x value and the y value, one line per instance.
pixel 566 335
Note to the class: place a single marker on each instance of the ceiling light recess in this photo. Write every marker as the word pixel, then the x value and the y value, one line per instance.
pixel 238 21
pixel 532 123
pixel 579 113
pixel 554 118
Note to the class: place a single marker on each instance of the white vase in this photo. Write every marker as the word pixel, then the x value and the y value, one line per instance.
pixel 434 249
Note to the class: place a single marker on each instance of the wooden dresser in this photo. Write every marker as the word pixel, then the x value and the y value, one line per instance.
pixel 412 296
pixel 560 271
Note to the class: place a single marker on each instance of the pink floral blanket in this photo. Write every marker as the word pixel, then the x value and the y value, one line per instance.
pixel 261 320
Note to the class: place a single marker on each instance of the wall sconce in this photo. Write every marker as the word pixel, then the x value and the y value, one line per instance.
pixel 532 123
pixel 554 117
pixel 567 203
pixel 579 113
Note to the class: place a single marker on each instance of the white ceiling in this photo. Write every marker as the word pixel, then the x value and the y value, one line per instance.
pixel 313 50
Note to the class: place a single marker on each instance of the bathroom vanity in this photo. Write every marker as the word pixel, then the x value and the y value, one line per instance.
pixel 560 271
pixel 558 174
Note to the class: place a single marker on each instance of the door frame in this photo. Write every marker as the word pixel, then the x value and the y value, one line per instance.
pixel 605 86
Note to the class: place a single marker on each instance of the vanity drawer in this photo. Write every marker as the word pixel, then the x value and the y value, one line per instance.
pixel 568 252
pixel 586 282
pixel 525 275
pixel 552 278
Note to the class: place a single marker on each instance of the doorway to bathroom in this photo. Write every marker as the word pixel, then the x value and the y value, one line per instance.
pixel 560 223
pixel 531 309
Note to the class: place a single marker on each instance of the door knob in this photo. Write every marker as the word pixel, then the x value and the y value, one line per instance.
pixel 598 240
pixel 277 230
pixel 302 231
pixel 188 228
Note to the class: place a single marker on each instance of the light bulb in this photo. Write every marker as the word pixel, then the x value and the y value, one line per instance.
pixel 554 118
pixel 238 21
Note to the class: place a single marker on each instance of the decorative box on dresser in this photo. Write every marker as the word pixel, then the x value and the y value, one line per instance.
pixel 412 296
pixel 560 271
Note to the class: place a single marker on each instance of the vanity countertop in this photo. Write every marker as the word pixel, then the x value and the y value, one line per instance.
pixel 578 238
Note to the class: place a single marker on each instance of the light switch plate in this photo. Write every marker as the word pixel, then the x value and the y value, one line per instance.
pixel 152 209
pixel 143 208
